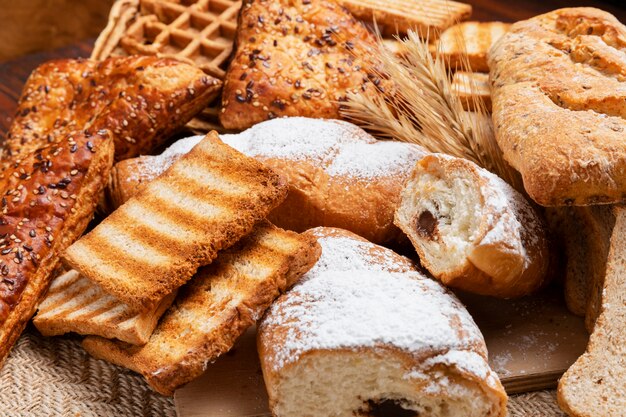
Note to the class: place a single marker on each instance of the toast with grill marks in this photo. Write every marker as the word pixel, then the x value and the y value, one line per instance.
pixel 75 304
pixel 215 308
pixel 205 202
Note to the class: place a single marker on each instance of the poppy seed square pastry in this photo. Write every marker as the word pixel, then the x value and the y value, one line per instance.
pixel 296 58
pixel 364 333
pixel 559 102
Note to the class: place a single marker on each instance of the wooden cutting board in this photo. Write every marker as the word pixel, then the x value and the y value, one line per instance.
pixel 531 342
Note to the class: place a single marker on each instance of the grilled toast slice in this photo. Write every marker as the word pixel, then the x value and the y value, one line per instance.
pixel 75 304
pixel 205 202
pixel 472 88
pixel 215 308
pixel 473 39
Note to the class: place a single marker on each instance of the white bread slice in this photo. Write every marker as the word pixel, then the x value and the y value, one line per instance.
pixel 365 334
pixel 215 308
pixel 205 202
pixel 595 385
pixel 76 304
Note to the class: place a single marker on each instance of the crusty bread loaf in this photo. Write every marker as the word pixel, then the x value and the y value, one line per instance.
pixel 75 304
pixel 364 332
pixel 594 385
pixel 141 100
pixel 155 242
pixel 296 58
pixel 470 41
pixel 472 230
pixel 559 103
pixel 338 174
pixel 215 308
pixel 49 197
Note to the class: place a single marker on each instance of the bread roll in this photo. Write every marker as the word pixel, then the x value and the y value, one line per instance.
pixel 472 230
pixel 338 174
pixel 364 333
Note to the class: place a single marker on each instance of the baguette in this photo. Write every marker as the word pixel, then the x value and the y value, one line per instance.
pixel 215 308
pixel 338 174
pixel 472 230
pixel 594 385
pixel 75 304
pixel 49 197
pixel 366 332
pixel 203 203
pixel 128 96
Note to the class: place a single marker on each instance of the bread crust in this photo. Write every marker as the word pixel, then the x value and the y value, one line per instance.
pixel 296 58
pixel 558 106
pixel 168 360
pixel 141 100
pixel 508 253
pixel 46 213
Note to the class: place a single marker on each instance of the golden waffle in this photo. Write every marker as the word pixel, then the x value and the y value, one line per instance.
pixel 199 32
pixel 427 17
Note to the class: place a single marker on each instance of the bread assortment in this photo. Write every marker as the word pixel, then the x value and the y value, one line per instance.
pixel 472 230
pixel 558 105
pixel 338 174
pixel 365 323
pixel 277 219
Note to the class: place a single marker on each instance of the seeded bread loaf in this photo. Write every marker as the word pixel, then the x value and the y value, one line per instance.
pixel 338 174
pixel 472 230
pixel 559 102
pixel 365 334
pixel 49 197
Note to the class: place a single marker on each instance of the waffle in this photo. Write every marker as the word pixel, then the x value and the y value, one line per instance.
pixel 199 32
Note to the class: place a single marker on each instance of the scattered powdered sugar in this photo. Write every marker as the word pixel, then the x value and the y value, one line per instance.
pixel 338 147
pixel 349 301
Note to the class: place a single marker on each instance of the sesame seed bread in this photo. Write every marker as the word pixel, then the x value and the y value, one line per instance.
pixel 471 41
pixel 205 202
pixel 141 100
pixel 363 333
pixel 75 304
pixel 594 385
pixel 215 308
pixel 559 102
pixel 338 174
pixel 49 197
pixel 296 58
pixel 472 230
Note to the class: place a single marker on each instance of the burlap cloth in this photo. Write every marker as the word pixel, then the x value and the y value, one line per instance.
pixel 55 377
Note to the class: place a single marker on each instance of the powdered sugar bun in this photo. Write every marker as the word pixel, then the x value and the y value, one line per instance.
pixel 472 230
pixel 364 330
pixel 339 175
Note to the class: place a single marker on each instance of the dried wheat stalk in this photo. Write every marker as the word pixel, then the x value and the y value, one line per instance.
pixel 423 109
